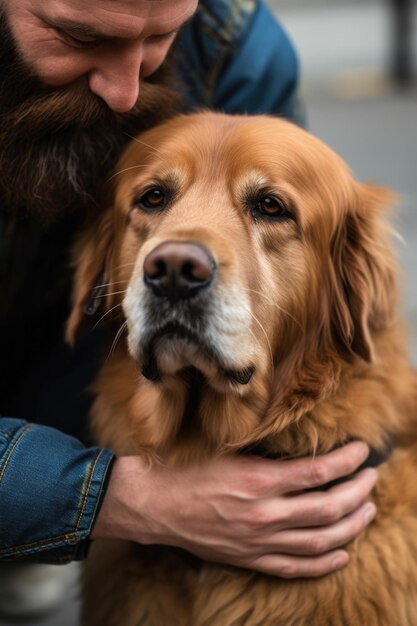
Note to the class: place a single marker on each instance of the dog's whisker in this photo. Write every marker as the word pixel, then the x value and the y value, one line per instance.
pixel 116 339
pixel 126 169
pixel 259 343
pixel 106 313
pixel 398 236
pixel 267 340
pixel 113 293
pixel 142 143
pixel 280 308
pixel 259 293
pixel 124 265
pixel 116 282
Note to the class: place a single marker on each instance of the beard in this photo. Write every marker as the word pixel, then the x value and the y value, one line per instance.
pixel 58 146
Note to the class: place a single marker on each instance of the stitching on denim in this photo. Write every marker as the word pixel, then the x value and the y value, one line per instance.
pixel 42 542
pixel 9 456
pixel 87 489
pixel 63 559
pixel 67 537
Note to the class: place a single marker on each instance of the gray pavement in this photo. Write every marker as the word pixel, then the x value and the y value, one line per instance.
pixel 344 50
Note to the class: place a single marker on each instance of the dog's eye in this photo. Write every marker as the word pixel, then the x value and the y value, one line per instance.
pixel 270 207
pixel 153 199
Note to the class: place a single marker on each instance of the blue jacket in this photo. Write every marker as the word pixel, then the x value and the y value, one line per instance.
pixel 233 56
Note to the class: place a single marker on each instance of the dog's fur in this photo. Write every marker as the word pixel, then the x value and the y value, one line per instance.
pixel 308 299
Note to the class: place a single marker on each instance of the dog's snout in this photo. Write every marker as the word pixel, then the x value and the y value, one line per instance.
pixel 178 270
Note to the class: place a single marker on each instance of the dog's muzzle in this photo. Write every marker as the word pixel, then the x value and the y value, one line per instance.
pixel 178 307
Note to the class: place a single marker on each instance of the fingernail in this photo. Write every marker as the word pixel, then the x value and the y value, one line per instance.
pixel 373 473
pixel 369 513
pixel 370 474
pixel 364 451
pixel 340 560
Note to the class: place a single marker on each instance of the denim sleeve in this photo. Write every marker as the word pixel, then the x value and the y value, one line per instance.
pixel 50 490
pixel 242 62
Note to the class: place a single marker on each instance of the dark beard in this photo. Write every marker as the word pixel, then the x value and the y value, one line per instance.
pixel 58 146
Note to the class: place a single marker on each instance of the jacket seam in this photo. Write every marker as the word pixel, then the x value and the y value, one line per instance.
pixel 87 490
pixel 50 541
pixel 13 448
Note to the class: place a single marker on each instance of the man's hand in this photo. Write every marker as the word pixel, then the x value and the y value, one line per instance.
pixel 244 511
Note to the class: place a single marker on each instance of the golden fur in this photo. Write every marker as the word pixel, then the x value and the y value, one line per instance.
pixel 309 301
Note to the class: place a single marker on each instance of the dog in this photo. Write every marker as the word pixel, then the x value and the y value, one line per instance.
pixel 256 283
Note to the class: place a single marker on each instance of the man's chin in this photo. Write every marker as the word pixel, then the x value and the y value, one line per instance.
pixel 54 175
pixel 54 164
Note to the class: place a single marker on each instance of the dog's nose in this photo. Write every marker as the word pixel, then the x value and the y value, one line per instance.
pixel 178 270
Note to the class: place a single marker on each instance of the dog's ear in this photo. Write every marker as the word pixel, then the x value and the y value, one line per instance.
pixel 90 258
pixel 362 295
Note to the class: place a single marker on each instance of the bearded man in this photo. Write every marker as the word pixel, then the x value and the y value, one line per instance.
pixel 75 84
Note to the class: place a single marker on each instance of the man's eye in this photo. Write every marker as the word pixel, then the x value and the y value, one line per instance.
pixel 79 41
pixel 163 37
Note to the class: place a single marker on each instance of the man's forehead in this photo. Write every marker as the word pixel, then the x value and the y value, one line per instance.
pixel 127 16
pixel 147 8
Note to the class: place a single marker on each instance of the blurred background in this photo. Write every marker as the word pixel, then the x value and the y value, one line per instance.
pixel 359 67
pixel 359 81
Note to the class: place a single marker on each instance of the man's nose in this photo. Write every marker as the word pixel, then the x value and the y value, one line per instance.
pixel 115 78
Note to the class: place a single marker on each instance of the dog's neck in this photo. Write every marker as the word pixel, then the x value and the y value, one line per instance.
pixel 190 419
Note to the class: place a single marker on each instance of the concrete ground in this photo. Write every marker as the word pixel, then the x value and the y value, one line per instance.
pixel 344 50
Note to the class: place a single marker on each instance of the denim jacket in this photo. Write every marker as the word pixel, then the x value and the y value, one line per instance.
pixel 50 487
pixel 233 56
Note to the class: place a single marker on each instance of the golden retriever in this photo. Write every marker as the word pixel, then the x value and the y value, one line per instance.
pixel 256 282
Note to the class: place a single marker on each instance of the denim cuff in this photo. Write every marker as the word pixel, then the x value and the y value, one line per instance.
pixel 50 490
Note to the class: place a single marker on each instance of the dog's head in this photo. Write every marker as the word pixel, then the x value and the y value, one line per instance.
pixel 242 248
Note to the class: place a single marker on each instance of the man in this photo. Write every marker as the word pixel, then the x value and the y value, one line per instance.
pixel 76 83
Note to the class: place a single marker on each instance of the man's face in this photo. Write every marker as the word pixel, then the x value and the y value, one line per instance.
pixel 73 88
pixel 107 44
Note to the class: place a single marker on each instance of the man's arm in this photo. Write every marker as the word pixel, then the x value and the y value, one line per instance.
pixel 243 511
pixel 240 511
